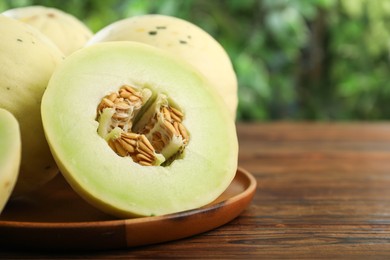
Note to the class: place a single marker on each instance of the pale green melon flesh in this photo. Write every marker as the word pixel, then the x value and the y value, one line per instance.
pixel 27 60
pixel 10 155
pixel 182 39
pixel 116 184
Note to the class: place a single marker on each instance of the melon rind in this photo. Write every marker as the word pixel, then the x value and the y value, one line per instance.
pixel 27 61
pixel 116 184
pixel 183 39
pixel 65 30
pixel 10 155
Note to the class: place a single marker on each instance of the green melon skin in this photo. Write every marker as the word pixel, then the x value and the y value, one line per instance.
pixel 116 184
pixel 27 61
pixel 10 155
pixel 183 39
pixel 64 29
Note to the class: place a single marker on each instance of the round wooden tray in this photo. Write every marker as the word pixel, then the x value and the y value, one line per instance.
pixel 55 217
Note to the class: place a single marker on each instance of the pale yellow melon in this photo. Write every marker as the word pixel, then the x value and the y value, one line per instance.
pixel 10 153
pixel 27 61
pixel 182 39
pixel 64 29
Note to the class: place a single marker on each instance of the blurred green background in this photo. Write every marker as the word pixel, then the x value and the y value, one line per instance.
pixel 295 59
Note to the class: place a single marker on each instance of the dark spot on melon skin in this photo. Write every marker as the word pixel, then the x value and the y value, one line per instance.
pixel 161 27
pixel 21 41
pixel 153 33
pixel 51 15
pixel 185 41
pixel 7 184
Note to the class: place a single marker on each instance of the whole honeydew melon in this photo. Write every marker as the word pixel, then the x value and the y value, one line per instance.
pixel 64 29
pixel 182 39
pixel 10 153
pixel 27 61
pixel 138 132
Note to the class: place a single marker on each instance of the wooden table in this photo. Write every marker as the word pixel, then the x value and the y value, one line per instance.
pixel 324 191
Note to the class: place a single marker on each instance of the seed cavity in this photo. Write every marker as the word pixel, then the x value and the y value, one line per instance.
pixel 141 125
pixel 137 147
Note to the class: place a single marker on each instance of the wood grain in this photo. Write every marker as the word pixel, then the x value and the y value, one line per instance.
pixel 323 191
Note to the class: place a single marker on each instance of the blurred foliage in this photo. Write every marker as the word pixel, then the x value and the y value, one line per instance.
pixel 295 59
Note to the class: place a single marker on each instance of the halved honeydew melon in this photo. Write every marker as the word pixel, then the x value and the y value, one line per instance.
pixel 64 29
pixel 183 39
pixel 27 61
pixel 109 176
pixel 10 155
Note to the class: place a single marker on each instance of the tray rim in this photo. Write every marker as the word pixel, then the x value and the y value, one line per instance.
pixel 123 226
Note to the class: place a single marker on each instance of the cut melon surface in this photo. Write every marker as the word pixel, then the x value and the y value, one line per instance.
pixel 118 185
pixel 10 155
